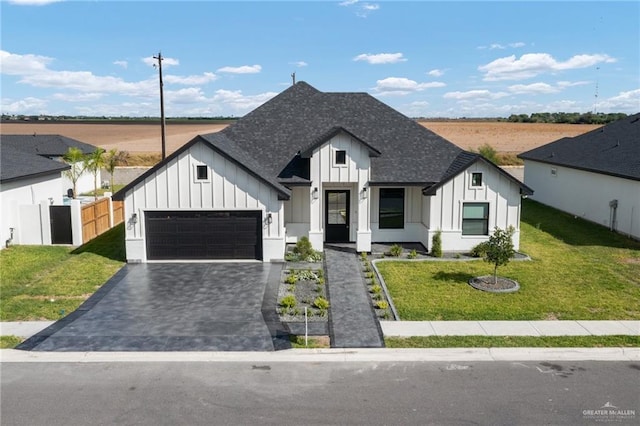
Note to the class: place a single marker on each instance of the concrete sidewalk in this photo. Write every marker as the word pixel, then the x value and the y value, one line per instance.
pixel 509 328
pixel 439 328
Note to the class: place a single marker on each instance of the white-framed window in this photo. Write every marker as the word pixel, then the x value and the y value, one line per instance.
pixel 340 157
pixel 554 172
pixel 201 173
pixel 476 180
pixel 475 219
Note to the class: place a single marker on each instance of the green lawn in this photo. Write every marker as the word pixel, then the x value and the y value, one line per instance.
pixel 512 341
pixel 579 271
pixel 48 282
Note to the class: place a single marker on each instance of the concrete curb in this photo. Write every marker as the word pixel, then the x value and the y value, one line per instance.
pixel 334 355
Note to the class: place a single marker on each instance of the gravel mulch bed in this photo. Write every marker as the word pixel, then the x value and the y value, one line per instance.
pixel 488 283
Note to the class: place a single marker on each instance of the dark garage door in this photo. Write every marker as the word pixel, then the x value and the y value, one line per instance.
pixel 204 235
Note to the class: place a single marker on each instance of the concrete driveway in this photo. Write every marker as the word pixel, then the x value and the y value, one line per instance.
pixel 174 307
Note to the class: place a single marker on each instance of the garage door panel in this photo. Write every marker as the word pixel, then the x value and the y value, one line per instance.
pixel 204 235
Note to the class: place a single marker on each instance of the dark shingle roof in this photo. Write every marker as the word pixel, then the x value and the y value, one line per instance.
pixel 612 150
pixel 300 116
pixel 45 145
pixel 16 164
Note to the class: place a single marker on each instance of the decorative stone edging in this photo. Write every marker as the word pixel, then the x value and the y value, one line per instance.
pixel 384 289
pixel 479 284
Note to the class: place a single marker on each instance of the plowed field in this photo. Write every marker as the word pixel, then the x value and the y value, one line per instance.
pixel 145 138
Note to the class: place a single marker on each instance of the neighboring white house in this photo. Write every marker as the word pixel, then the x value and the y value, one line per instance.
pixel 31 180
pixel 335 167
pixel 595 176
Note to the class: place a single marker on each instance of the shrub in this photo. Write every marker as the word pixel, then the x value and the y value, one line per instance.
pixel 395 250
pixel 289 301
pixel 307 275
pixel 363 255
pixel 412 254
pixel 321 303
pixel 436 244
pixel 489 152
pixel 382 304
pixel 368 275
pixel 291 278
pixel 480 250
pixel 376 289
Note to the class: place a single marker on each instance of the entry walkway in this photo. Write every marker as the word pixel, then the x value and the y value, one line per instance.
pixel 352 321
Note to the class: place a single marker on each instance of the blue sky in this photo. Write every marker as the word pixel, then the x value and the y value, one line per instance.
pixel 432 59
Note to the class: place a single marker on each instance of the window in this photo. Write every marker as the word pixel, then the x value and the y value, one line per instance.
pixel 476 179
pixel 202 173
pixel 475 219
pixel 391 215
pixel 554 172
pixel 341 157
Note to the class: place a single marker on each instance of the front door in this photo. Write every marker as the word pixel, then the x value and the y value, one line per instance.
pixel 336 215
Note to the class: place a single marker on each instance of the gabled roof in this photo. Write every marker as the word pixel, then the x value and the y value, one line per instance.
pixel 225 147
pixel 298 118
pixel 16 165
pixel 464 161
pixel 613 150
pixel 45 145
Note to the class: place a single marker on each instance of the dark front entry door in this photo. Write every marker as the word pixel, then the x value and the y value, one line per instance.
pixel 337 216
pixel 60 217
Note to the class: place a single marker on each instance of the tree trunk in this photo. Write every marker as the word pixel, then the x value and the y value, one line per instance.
pixel 495 275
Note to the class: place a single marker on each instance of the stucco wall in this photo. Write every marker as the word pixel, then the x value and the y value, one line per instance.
pixel 587 195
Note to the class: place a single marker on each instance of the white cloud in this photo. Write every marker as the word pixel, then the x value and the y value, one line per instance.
pixel 381 58
pixel 474 94
pixel 494 46
pixel 299 64
pixel 533 64
pixel 564 84
pixel 239 102
pixel 535 88
pixel 123 64
pixel 189 95
pixel 77 97
pixel 33 2
pixel 14 64
pixel 195 80
pixel 400 86
pixel 517 44
pixel 85 81
pixel 628 102
pixel 362 9
pixel 27 105
pixel 245 69
pixel 436 73
pixel 166 62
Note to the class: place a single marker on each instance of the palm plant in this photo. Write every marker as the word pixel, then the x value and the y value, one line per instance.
pixel 76 159
pixel 95 162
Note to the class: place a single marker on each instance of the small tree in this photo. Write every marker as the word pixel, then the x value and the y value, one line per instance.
pixel 76 159
pixel 95 162
pixel 488 152
pixel 113 159
pixel 499 249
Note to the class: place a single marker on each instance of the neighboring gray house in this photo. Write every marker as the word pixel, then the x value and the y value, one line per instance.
pixel 30 174
pixel 334 167
pixel 595 176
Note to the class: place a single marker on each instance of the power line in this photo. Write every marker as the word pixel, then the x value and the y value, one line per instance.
pixel 159 58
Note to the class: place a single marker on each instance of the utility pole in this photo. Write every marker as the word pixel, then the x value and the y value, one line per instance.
pixel 162 121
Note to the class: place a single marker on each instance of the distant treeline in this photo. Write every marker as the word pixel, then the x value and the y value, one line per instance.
pixel 566 117
pixel 115 120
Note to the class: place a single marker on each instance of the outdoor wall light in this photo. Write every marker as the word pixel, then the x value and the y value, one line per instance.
pixel 315 193
pixel 51 200
pixel 364 193
pixel 269 219
pixel 134 218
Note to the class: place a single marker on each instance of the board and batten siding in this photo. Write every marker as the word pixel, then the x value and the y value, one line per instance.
pixel 297 213
pixel 443 211
pixel 415 229
pixel 587 195
pixel 353 175
pixel 228 187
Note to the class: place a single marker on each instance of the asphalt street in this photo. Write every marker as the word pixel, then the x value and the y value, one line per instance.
pixel 313 393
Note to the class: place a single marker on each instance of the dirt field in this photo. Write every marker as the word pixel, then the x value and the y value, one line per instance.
pixel 145 138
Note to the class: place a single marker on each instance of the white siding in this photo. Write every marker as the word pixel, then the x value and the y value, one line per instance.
pixel 297 213
pixel 229 187
pixel 414 229
pixel 354 175
pixel 445 207
pixel 587 195
pixel 21 193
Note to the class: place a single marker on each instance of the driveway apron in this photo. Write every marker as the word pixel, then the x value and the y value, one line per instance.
pixel 352 320
pixel 169 307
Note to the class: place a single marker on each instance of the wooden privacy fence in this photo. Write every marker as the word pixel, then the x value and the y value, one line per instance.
pixel 100 216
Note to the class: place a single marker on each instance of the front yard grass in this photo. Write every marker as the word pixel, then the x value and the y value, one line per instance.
pixel 48 282
pixel 512 342
pixel 579 271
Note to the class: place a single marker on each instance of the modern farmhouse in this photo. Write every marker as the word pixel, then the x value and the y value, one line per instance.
pixel 335 167
pixel 595 176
